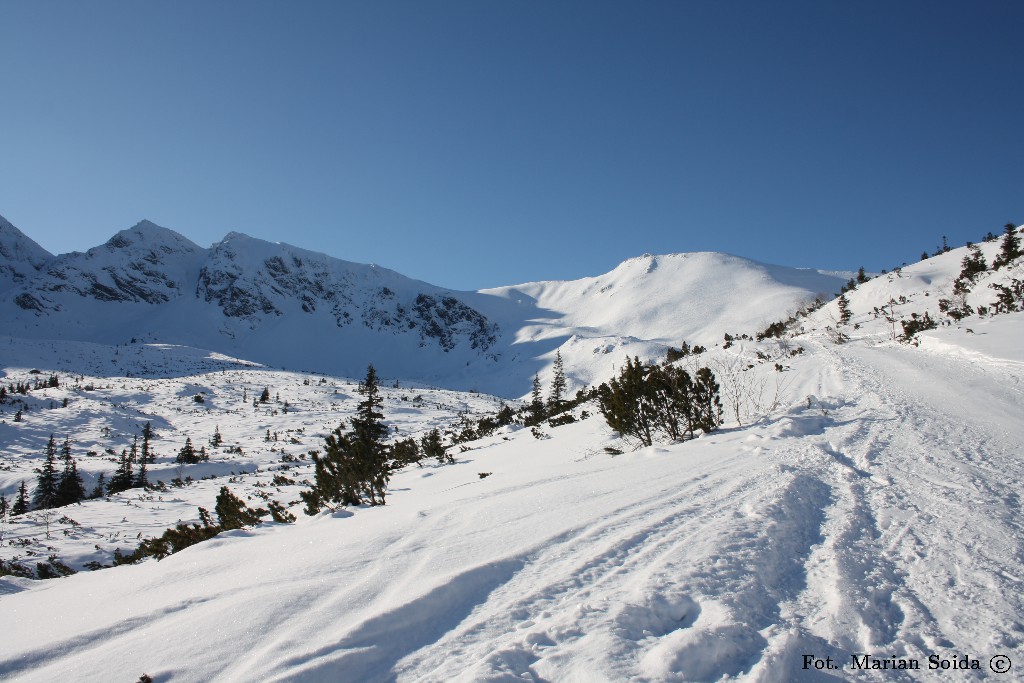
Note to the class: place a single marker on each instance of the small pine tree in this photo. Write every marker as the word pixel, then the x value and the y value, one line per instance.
pixel 265 396
pixel 972 265
pixel 187 455
pixel 537 410
pixel 556 398
pixel 45 495
pixel 141 477
pixel 216 440
pixel 123 478
pixel 233 513
pixel 21 504
pixel 355 467
pixel 1009 249
pixel 147 435
pixel 433 446
pixel 844 310
pixel 861 275
pixel 70 488
pixel 100 489
pixel 5 507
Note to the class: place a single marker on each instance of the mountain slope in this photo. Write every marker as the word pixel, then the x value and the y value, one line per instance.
pixel 289 307
pixel 870 508
pixel 875 512
pixel 20 257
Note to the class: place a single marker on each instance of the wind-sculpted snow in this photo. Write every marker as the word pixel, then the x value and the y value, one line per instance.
pixel 873 512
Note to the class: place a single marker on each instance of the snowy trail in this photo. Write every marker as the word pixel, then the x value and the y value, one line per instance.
pixel 881 518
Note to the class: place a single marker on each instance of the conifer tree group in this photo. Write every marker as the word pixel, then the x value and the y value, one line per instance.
pixel 356 465
pixel 647 400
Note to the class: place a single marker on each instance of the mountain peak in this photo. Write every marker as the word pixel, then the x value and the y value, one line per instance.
pixel 148 235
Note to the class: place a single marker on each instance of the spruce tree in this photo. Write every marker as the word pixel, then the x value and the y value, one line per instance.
pixel 233 513
pixel 100 489
pixel 265 396
pixel 216 440
pixel 5 507
pixel 1010 248
pixel 142 477
pixel 556 398
pixel 355 467
pixel 45 495
pixel 433 447
pixel 844 310
pixel 21 504
pixel 147 435
pixel 123 478
pixel 187 454
pixel 706 401
pixel 627 404
pixel 70 488
pixel 537 410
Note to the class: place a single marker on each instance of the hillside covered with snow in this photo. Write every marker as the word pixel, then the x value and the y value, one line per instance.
pixel 292 308
pixel 859 506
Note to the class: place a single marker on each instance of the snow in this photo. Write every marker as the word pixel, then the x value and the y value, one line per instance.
pixel 864 500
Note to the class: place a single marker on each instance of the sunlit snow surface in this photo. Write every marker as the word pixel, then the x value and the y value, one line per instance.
pixel 874 509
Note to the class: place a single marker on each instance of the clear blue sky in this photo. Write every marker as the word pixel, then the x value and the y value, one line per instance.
pixel 478 143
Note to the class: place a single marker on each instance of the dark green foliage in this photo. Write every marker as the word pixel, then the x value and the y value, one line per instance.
pixel 956 308
pixel 265 396
pixel 672 355
pixel 558 386
pixel 53 569
pixel 232 512
pixel 45 495
pixel 5 507
pixel 21 504
pixel 216 440
pixel 13 568
pixel 1009 250
pixel 354 468
pixel 563 419
pixel 100 489
pixel 971 267
pixel 172 540
pixel 505 416
pixel 776 330
pixel 123 478
pixel 627 405
pixel 279 513
pixel 916 324
pixel 1010 297
pixel 537 410
pixel 70 488
pixel 141 477
pixel 644 401
pixel 861 276
pixel 147 435
pixel 707 406
pixel 844 310
pixel 432 446
pixel 405 452
pixel 188 455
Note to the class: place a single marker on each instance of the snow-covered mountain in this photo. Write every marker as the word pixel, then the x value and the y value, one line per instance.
pixel 290 307
pixel 857 517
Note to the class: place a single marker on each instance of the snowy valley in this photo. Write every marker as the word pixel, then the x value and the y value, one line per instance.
pixel 858 510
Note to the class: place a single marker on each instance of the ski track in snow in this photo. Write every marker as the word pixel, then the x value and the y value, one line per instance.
pixel 877 512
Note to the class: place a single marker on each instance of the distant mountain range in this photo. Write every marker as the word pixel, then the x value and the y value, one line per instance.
pixel 289 307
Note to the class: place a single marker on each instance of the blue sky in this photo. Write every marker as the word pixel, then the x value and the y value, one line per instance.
pixel 475 144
